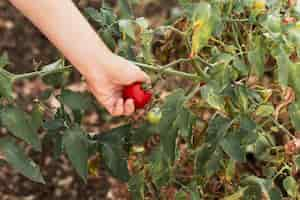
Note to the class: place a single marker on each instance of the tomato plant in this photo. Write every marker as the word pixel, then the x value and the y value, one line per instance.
pixel 228 125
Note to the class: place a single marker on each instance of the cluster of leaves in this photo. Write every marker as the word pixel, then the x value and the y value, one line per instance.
pixel 227 137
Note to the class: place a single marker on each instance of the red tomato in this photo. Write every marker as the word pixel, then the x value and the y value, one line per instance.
pixel 138 94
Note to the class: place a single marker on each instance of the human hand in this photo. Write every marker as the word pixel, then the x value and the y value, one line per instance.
pixel 108 80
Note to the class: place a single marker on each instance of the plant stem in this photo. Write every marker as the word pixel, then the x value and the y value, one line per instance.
pixel 181 60
pixel 280 126
pixel 203 61
pixel 192 93
pixel 173 29
pixel 39 73
pixel 236 38
pixel 160 69
pixel 218 41
pixel 236 20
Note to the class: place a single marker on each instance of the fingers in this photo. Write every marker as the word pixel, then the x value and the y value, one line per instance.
pixel 122 108
pixel 129 107
pixel 135 74
pixel 118 110
pixel 142 77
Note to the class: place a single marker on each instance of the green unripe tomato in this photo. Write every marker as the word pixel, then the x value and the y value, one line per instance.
pixel 154 116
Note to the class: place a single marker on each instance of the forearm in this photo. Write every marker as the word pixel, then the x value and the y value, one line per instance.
pixel 68 30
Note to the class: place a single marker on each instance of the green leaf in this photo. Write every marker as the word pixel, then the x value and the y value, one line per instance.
pixel 20 125
pixel 294 113
pixel 213 165
pixel 240 66
pixel 261 147
pixel 223 73
pixel 6 84
pixel 184 122
pixel 54 125
pixel 237 195
pixel 15 156
pixel 125 9
pixel 115 160
pixel 57 140
pixel 37 117
pixel 253 192
pixel 181 195
pixel 291 187
pixel 275 194
pixel 256 56
pixel 256 187
pixel 248 130
pixel 142 22
pixel 217 129
pixel 141 134
pixel 213 97
pixel 230 170
pixel 75 100
pixel 194 193
pixel 107 37
pixel 112 145
pixel 159 167
pixel 4 61
pixel 58 79
pixel 105 16
pixel 147 38
pixel 283 62
pixel 231 144
pixel 297 162
pixel 202 157
pixel 52 66
pixel 265 110
pixel 168 131
pixel 136 186
pixel 294 35
pixel 273 23
pixel 127 27
pixel 94 14
pixel 76 146
pixel 242 97
pixel 294 74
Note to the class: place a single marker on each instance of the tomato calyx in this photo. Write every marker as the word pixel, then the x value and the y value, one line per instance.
pixel 137 93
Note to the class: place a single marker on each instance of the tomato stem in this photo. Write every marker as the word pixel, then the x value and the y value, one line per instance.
pixel 161 70
pixel 164 69
pixel 39 73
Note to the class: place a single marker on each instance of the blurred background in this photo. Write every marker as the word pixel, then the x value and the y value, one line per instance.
pixel 27 49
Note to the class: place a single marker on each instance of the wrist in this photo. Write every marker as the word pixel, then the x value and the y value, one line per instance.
pixel 98 67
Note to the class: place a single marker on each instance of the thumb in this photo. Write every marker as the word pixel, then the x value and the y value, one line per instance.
pixel 141 76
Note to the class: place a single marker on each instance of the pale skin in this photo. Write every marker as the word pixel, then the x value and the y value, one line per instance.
pixel 105 72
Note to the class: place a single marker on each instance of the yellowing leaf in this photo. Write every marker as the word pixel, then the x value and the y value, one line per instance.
pixel 202 27
pixel 93 166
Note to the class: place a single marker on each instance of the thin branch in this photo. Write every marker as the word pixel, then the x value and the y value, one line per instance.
pixel 39 73
pixel 159 69
pixel 173 29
